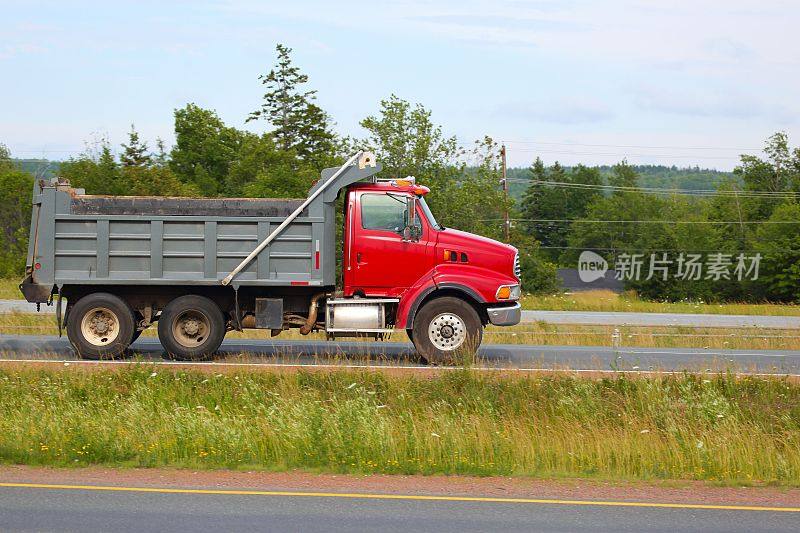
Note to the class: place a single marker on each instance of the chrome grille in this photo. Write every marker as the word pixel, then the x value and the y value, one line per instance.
pixel 517 269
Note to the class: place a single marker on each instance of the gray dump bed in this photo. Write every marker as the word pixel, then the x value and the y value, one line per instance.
pixel 108 240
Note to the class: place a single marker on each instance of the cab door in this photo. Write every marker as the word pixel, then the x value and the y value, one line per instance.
pixel 384 262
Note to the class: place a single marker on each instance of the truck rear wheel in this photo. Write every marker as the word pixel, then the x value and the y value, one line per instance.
pixel 446 328
pixel 191 327
pixel 100 326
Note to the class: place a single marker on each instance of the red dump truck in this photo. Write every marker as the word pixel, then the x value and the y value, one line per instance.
pixel 201 267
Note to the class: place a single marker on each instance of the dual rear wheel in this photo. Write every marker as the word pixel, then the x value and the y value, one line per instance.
pixel 191 327
pixel 102 326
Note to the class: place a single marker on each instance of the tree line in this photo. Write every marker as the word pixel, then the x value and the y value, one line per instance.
pixel 738 241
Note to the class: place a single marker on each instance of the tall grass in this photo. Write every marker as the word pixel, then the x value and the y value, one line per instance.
pixel 687 427
pixel 9 289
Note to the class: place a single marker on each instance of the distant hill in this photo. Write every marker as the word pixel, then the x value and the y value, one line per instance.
pixel 659 176
pixel 41 168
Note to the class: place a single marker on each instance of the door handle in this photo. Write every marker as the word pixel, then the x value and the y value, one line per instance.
pixel 358 257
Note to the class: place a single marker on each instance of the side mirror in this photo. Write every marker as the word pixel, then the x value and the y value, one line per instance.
pixel 411 232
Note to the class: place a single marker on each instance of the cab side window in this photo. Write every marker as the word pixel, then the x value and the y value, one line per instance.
pixel 385 212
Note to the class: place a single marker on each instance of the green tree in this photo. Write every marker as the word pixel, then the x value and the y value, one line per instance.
pixel 97 172
pixel 15 215
pixel 135 153
pixel 204 149
pixel 623 175
pixel 778 173
pixel 299 125
pixel 554 198
pixel 100 173
pixel 263 170
pixel 407 142
pixel 779 243
pixel 161 157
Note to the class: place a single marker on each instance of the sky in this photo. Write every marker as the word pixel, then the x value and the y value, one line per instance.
pixel 679 82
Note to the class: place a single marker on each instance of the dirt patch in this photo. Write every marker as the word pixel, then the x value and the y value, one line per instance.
pixel 689 492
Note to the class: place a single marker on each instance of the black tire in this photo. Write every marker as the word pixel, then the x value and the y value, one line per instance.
pixel 100 326
pixel 465 330
pixel 191 328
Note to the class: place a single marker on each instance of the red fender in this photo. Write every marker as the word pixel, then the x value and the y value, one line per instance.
pixel 480 284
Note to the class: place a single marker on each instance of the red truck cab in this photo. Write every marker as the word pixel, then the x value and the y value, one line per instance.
pixel 449 283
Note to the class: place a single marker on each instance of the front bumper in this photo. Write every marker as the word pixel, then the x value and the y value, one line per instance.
pixel 505 316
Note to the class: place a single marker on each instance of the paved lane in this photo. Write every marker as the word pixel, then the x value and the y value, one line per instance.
pixel 661 319
pixel 578 318
pixel 47 509
pixel 492 355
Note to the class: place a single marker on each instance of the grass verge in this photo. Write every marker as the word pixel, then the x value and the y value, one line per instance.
pixel 603 300
pixel 723 429
pixel 9 289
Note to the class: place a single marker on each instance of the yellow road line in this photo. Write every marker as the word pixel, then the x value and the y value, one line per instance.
pixel 401 497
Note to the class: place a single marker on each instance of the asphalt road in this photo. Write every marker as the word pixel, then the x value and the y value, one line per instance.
pixel 661 319
pixel 38 509
pixel 492 355
pixel 577 317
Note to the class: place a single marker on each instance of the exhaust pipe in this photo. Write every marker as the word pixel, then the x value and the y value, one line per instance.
pixel 306 328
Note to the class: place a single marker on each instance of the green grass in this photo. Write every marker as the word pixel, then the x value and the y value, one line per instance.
pixel 9 289
pixel 720 428
pixel 603 300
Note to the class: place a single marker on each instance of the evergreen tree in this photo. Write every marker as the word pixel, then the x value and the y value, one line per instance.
pixel 298 124
pixel 161 157
pixel 623 175
pixel 135 153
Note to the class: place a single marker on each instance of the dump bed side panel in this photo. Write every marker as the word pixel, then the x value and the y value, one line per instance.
pixel 103 249
pixel 94 240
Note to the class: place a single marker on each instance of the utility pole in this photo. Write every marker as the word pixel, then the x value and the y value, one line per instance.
pixel 505 191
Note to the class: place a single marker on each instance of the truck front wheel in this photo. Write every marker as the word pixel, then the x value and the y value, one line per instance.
pixel 191 327
pixel 100 326
pixel 445 328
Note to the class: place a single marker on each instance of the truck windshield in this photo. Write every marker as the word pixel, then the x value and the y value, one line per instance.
pixel 429 215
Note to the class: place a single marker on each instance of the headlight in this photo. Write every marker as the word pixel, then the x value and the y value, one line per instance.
pixel 508 292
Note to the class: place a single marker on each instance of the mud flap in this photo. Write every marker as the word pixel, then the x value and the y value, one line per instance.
pixel 58 313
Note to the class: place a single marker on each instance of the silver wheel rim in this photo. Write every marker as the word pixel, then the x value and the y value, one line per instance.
pixel 191 328
pixel 100 326
pixel 447 331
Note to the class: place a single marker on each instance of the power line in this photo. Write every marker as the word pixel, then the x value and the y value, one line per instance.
pixel 656 190
pixel 628 249
pixel 559 220
pixel 636 146
pixel 626 154
pixel 48 151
